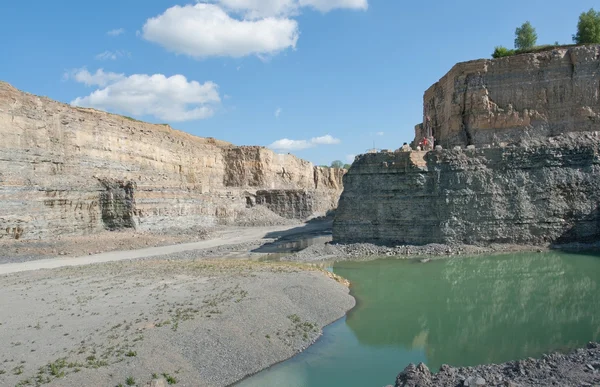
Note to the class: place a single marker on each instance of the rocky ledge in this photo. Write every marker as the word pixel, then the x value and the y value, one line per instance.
pixel 579 368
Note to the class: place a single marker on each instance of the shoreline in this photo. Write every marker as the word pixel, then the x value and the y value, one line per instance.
pixel 309 260
pixel 205 322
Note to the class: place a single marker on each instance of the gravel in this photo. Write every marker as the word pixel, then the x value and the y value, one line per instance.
pixel 368 251
pixel 579 368
pixel 207 323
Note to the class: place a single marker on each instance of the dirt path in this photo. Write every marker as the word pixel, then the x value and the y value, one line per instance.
pixel 230 236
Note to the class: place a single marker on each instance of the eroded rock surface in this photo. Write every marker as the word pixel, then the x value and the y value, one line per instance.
pixel 72 171
pixel 528 96
pixel 540 192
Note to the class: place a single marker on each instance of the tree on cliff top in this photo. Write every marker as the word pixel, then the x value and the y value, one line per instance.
pixel 525 37
pixel 588 28
pixel 337 164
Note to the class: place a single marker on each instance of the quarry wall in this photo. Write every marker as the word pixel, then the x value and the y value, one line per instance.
pixel 522 97
pixel 67 170
pixel 538 193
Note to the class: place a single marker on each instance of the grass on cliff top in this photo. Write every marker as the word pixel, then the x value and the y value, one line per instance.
pixel 502 52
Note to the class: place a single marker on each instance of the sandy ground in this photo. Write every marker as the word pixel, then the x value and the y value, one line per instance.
pixel 201 322
pixel 242 239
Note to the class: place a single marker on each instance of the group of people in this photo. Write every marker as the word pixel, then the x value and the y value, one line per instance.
pixel 425 144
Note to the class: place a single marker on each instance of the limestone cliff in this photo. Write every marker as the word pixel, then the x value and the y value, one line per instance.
pixel 515 98
pixel 68 170
pixel 538 193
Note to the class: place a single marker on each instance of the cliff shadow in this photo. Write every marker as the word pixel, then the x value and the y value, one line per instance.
pixel 584 230
pixel 313 231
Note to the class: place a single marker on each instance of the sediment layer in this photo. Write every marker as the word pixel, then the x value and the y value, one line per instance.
pixel 522 97
pixel 71 171
pixel 535 194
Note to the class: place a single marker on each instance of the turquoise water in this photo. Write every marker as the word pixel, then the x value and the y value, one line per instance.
pixel 462 311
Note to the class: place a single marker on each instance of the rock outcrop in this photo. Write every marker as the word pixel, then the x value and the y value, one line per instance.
pixel 69 170
pixel 528 96
pixel 537 193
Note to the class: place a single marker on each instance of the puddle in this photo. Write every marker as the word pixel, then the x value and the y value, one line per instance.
pixel 292 245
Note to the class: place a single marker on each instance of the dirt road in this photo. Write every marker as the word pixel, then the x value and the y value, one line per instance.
pixel 229 236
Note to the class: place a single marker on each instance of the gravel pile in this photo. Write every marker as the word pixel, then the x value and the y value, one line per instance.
pixel 579 368
pixel 262 216
pixel 368 251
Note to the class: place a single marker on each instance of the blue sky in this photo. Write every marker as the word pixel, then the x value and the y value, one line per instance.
pixel 322 79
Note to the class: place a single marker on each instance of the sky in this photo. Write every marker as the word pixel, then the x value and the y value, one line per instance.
pixel 322 79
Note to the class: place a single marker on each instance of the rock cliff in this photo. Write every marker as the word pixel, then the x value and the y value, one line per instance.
pixel 68 170
pixel 515 98
pixel 537 193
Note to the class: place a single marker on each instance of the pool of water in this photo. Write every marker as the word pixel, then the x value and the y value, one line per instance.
pixel 292 244
pixel 462 311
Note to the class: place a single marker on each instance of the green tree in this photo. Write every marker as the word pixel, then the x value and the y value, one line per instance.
pixel 525 37
pixel 588 28
pixel 500 52
pixel 347 166
pixel 337 164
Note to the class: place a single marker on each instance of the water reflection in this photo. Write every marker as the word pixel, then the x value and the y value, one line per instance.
pixel 473 311
pixel 463 311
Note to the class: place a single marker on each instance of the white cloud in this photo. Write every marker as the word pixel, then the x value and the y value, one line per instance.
pixel 328 5
pixel 350 158
pixel 380 133
pixel 287 144
pixel 112 55
pixel 99 78
pixel 204 30
pixel 278 112
pixel 325 140
pixel 171 98
pixel 116 32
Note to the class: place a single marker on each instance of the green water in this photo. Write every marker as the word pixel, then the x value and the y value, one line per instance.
pixel 463 311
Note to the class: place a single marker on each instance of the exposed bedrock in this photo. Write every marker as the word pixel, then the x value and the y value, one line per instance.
pixel 538 193
pixel 528 96
pixel 67 170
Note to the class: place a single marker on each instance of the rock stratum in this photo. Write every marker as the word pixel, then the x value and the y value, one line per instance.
pixel 69 171
pixel 529 173
pixel 546 192
pixel 522 97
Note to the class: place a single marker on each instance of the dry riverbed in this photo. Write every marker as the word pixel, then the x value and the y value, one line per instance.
pixel 199 322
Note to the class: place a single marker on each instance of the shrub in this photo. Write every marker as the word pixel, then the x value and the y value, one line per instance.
pixel 501 52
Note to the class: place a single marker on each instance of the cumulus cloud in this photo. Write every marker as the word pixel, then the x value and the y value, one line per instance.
pixel 235 28
pixel 171 98
pixel 287 144
pixel 116 32
pixel 99 78
pixel 278 112
pixel 204 30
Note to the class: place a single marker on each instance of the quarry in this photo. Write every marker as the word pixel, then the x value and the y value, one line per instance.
pixel 131 249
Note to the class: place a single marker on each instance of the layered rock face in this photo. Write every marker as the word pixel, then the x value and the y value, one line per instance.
pixel 538 193
pixel 67 170
pixel 523 97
